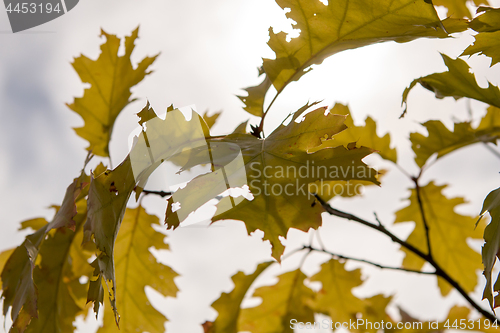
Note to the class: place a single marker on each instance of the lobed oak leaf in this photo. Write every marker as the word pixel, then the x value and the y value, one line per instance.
pixel 448 233
pixel 442 141
pixel 335 298
pixel 488 20
pixel 338 26
pixel 110 77
pixel 457 82
pixel 228 305
pixel 273 164
pixel 282 302
pixel 136 268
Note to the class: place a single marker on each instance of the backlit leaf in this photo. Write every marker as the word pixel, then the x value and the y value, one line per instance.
pixel 491 248
pixel 442 141
pixel 271 168
pixel 448 233
pixel 281 302
pixel 342 25
pixel 228 305
pixel 335 298
pixel 458 82
pixel 136 268
pixel 488 21
pixel 110 78
pixel 254 101
pixel 487 43
pixel 110 190
pixel 210 120
pixel 363 136
pixel 458 8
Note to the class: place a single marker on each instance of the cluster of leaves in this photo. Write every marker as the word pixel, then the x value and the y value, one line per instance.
pixel 95 243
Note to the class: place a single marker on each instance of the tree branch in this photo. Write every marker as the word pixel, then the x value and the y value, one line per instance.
pixel 439 270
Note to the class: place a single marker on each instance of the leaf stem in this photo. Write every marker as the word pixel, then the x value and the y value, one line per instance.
pixel 439 270
pixel 339 256
pixel 261 125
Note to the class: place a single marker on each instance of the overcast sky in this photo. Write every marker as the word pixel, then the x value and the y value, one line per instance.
pixel 209 51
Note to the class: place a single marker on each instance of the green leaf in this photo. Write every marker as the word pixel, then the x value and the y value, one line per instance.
pixel 110 78
pixel 228 305
pixel 448 233
pixel 61 297
pixel 108 196
pixel 491 247
pixel 270 167
pixel 110 191
pixel 335 298
pixel 442 141
pixel 136 268
pixel 19 287
pixel 281 302
pixel 458 82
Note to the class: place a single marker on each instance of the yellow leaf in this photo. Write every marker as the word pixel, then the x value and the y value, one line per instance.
pixel 228 305
pixel 342 25
pixel 254 101
pixel 110 190
pixel 448 233
pixel 487 21
pixel 277 170
pixel 442 141
pixel 491 248
pixel 210 120
pixel 335 297
pixel 136 268
pixel 487 43
pixel 362 135
pixel 110 78
pixel 458 82
pixel 4 256
pixel 281 303
pixel 457 8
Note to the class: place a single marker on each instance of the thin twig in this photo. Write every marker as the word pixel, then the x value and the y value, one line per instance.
pixel 439 270
pixel 160 193
pixel 422 213
pixel 339 256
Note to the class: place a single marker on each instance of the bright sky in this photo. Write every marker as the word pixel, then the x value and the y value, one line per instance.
pixel 209 51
